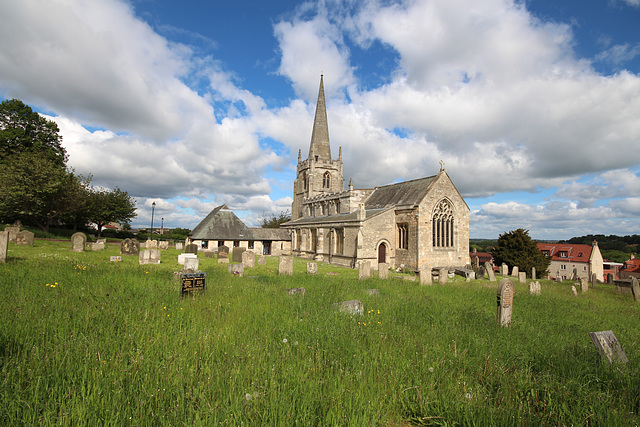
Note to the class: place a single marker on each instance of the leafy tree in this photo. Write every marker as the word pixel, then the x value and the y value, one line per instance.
pixel 516 248
pixel 105 206
pixel 24 130
pixel 274 220
pixel 37 190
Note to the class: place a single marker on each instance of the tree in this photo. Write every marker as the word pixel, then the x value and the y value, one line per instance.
pixel 105 206
pixel 24 130
pixel 37 190
pixel 274 220
pixel 516 248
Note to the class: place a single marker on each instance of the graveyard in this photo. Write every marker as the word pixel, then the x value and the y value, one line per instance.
pixel 99 336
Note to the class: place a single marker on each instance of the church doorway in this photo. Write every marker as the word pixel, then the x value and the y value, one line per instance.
pixel 382 253
pixel 266 247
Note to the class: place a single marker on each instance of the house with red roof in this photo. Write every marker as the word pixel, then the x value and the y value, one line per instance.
pixel 630 269
pixel 573 262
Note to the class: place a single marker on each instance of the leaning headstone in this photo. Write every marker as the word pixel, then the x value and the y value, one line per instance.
pixel 179 246
pixel 285 266
pixel 635 289
pixel 515 272
pixel 237 254
pixel 164 245
pixel 4 245
pixel 151 244
pixel 191 263
pixel 584 285
pixel 490 273
pixel 522 277
pixel 533 273
pixel 574 291
pixel 223 251
pixel 24 238
pixel 364 270
pixel 262 260
pixel 351 307
pixel 505 302
pixel 248 259
pixel 443 276
pixel 236 269
pixel 149 256
pixel 383 270
pixel 534 288
pixel 13 232
pixel 296 291
pixel 312 268
pixel 130 247
pixel 608 346
pixel 78 240
pixel 191 248
pixel 504 269
pixel 425 276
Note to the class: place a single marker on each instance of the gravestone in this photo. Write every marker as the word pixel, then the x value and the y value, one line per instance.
pixel 183 256
pixel 534 288
pixel 489 269
pixel 223 251
pixel 522 277
pixel 504 269
pixel 237 254
pixel 24 238
pixel 425 276
pixel 191 282
pixel 151 244
pixel 236 269
pixel 262 260
pixel 505 302
pixel 515 272
pixel 559 278
pixel 443 276
pixel 12 232
pixel 164 245
pixel 285 266
pixel 209 254
pixel 608 346
pixel 130 247
pixel 383 270
pixel 248 259
pixel 574 275
pixel 191 248
pixel 480 273
pixel 149 256
pixel 352 307
pixel 223 260
pixel 97 246
pixel 635 289
pixel 610 279
pixel 4 245
pixel 179 246
pixel 372 292
pixel 476 263
pixel 191 263
pixel 584 285
pixel 78 240
pixel 364 269
pixel 574 291
pixel 594 280
pixel 296 291
pixel 533 273
pixel 115 258
pixel 312 268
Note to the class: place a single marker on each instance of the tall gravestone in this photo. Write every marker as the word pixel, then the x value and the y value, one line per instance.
pixel 533 273
pixel 504 269
pixel 505 302
pixel 12 231
pixel 223 251
pixel 262 260
pixel 610 279
pixel 364 270
pixel 191 248
pixel 24 238
pixel 4 245
pixel 489 269
pixel 237 254
pixel 383 270
pixel 584 285
pixel 515 272
pixel 522 277
pixel 285 266
pixel 130 247
pixel 248 259
pixel 594 280
pixel 149 256
pixel 78 241
pixel 635 289
pixel 425 276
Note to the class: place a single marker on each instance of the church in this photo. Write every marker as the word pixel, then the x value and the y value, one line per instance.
pixel 417 224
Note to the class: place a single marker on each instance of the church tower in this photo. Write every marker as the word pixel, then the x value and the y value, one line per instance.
pixel 318 174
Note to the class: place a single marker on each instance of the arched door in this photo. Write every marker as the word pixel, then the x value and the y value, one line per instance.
pixel 382 253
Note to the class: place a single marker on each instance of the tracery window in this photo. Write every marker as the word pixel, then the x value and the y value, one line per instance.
pixel 326 180
pixel 442 225
pixel 403 236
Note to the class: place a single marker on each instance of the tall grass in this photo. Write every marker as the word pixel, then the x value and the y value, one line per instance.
pixel 85 341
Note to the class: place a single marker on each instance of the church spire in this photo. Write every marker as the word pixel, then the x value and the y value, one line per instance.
pixel 320 148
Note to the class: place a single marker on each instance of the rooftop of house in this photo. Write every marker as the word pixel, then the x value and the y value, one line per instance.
pixel 569 252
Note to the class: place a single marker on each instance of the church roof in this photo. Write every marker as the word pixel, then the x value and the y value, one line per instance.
pixel 408 193
pixel 223 224
pixel 320 135
pixel 331 219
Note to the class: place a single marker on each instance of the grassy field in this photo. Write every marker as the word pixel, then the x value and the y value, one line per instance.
pixel 85 341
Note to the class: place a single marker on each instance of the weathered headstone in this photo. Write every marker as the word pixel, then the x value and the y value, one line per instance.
pixel 522 277
pixel 191 248
pixel 534 288
pixel 163 245
pixel 248 259
pixel 505 302
pixel 236 269
pixel 149 256
pixel 635 289
pixel 13 232
pixel 223 260
pixel 130 247
pixel 24 238
pixel 610 279
pixel 191 263
pixel 179 246
pixel 533 273
pixel 480 273
pixel 608 346
pixel 515 272
pixel 574 291
pixel 209 254
pixel 296 291
pixel 97 246
pixel 183 256
pixel 115 258
pixel 352 307
pixel 285 266
pixel 364 269
pixel 78 240
pixel 312 268
pixel 584 285
pixel 223 251
pixel 4 245
pixel 151 244
pixel 425 276
pixel 262 260
pixel 504 269
pixel 594 280
pixel 489 269
pixel 191 282
pixel 383 270
pixel 237 254
pixel 476 263
pixel 443 276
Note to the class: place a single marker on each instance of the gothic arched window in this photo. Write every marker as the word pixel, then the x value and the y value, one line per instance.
pixel 326 180
pixel 304 181
pixel 442 225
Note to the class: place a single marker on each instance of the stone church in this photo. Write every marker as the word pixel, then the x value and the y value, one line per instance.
pixel 414 224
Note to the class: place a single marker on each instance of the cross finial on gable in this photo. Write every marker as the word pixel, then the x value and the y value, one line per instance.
pixel 441 165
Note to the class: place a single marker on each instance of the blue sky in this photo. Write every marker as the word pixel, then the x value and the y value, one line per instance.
pixel 533 106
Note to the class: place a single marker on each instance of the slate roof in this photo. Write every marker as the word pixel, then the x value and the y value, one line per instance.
pixel 408 193
pixel 338 218
pixel 575 253
pixel 223 224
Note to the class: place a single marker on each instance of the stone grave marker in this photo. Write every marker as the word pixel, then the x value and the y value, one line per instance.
pixel 12 231
pixel 489 269
pixel 97 246
pixel 248 259
pixel 574 291
pixel 78 240
pixel 364 269
pixel 237 254
pixel 191 248
pixel 285 266
pixel 24 238
pixel 522 277
pixel 533 273
pixel 443 276
pixel 163 245
pixel 262 260
pixel 130 247
pixel 4 245
pixel 425 276
pixel 296 291
pixel 635 289
pixel 312 268
pixel 352 307
pixel 534 288
pixel 236 269
pixel 505 301
pixel 515 272
pixel 209 254
pixel 149 256
pixel 223 251
pixel 183 256
pixel 179 246
pixel 584 285
pixel 594 280
pixel 610 279
pixel 504 269
pixel 191 263
pixel 191 282
pixel 115 258
pixel 151 244
pixel 480 273
pixel 223 260
pixel 383 270
pixel 608 347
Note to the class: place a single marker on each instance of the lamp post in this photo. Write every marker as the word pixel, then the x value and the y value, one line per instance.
pixel 153 208
pixel 162 227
